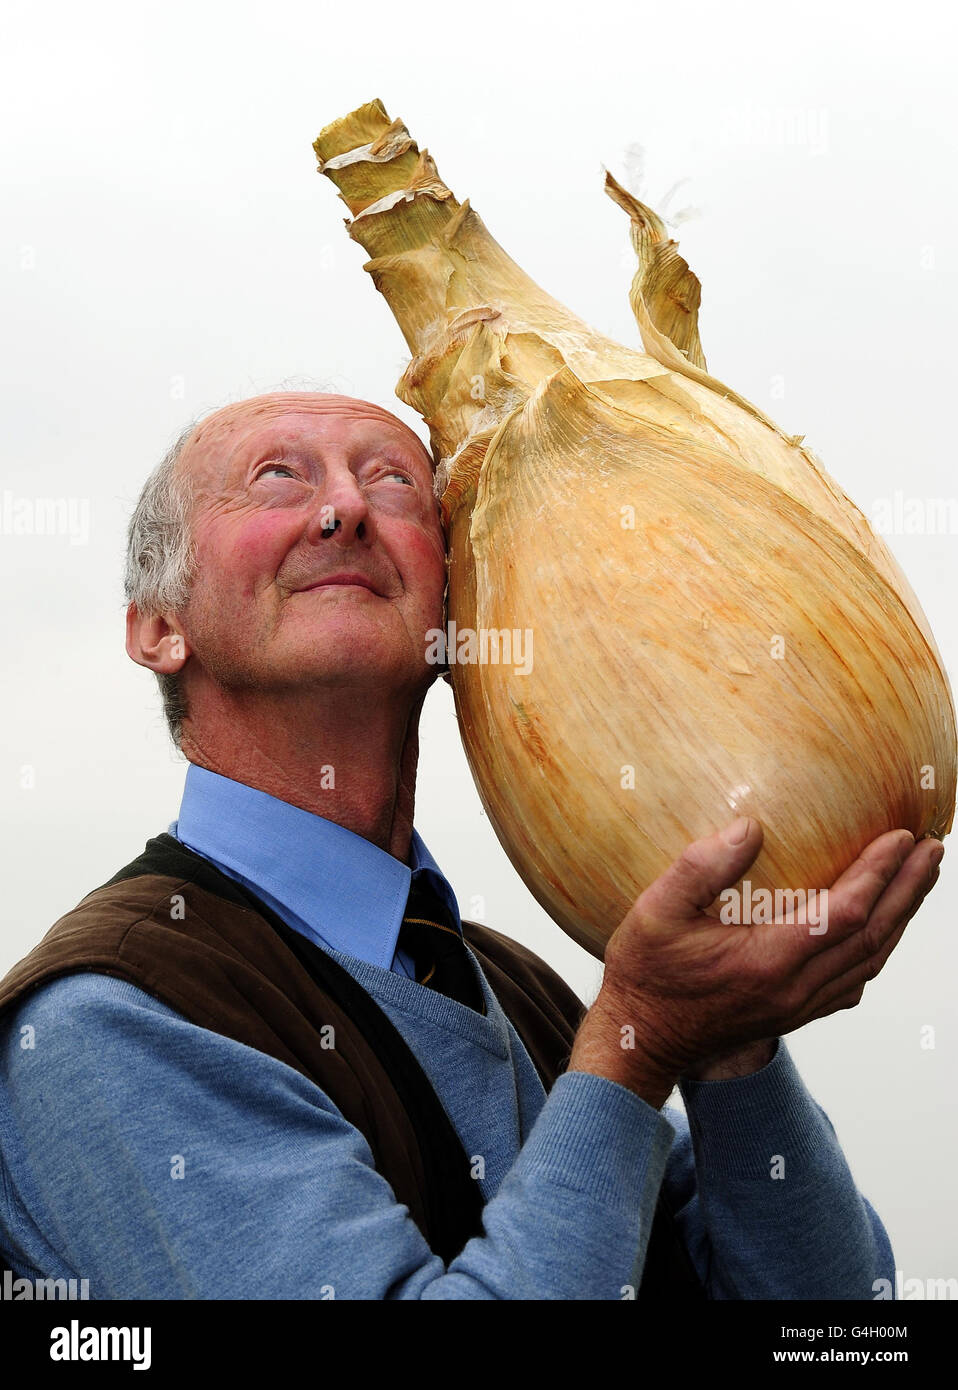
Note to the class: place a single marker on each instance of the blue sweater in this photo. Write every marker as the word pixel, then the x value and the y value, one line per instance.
pixel 160 1160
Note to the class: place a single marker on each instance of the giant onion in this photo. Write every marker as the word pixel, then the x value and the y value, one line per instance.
pixel 716 628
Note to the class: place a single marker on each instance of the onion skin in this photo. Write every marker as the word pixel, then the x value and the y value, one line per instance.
pixel 717 630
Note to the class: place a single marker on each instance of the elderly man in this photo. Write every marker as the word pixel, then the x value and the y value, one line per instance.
pixel 269 1060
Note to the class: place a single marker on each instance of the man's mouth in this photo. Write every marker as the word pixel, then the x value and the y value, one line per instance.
pixel 345 580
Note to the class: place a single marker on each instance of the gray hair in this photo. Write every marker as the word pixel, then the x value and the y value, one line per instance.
pixel 161 562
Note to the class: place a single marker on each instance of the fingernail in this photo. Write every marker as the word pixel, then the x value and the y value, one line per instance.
pixel 937 855
pixel 735 833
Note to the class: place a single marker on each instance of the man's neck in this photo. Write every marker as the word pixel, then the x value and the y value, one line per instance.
pixel 347 758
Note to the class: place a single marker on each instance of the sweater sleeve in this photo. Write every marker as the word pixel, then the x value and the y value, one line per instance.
pixel 763 1195
pixel 160 1160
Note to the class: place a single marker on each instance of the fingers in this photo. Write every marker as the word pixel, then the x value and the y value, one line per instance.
pixel 844 990
pixel 853 896
pixel 700 873
pixel 891 913
pixel 908 888
pixel 847 1001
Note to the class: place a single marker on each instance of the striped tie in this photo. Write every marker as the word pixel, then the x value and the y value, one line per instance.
pixel 428 933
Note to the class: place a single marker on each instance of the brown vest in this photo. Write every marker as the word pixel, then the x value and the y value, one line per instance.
pixel 175 926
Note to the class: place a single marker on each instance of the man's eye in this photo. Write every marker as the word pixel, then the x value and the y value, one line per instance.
pixel 275 468
pixel 404 477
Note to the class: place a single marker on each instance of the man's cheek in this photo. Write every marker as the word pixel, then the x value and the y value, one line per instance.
pixel 221 597
pixel 424 553
pixel 262 543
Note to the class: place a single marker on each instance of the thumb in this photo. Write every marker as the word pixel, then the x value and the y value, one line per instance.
pixel 702 870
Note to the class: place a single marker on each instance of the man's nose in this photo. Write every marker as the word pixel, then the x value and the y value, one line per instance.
pixel 340 509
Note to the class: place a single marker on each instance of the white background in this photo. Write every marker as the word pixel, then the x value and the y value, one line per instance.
pixel 167 247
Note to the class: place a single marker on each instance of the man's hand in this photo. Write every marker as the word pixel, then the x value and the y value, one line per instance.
pixel 687 995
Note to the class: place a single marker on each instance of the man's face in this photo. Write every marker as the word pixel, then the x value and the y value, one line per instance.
pixel 293 490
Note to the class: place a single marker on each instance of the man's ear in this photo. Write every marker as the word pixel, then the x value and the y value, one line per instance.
pixel 155 642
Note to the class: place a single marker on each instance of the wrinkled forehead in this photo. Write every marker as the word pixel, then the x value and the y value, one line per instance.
pixel 222 436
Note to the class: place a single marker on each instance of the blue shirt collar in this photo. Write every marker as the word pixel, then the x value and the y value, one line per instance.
pixel 337 888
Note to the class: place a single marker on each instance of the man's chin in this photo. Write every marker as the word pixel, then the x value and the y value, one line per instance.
pixel 360 671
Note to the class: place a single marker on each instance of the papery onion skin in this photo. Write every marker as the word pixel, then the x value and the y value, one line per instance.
pixel 717 628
